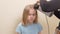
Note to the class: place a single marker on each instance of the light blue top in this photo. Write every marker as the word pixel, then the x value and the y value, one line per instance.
pixel 30 29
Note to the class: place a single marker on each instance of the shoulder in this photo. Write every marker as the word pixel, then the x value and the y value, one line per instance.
pixel 39 25
pixel 19 28
pixel 19 25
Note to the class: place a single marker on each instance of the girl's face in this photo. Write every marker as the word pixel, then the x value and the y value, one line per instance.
pixel 31 15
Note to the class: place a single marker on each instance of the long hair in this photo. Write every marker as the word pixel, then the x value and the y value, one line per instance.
pixel 26 12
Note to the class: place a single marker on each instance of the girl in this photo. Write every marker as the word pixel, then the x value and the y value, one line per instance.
pixel 29 24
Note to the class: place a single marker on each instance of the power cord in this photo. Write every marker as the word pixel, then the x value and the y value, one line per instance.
pixel 47 24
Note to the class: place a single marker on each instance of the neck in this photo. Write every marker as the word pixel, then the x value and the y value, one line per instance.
pixel 30 22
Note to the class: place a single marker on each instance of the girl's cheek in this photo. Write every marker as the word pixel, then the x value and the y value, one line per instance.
pixel 28 17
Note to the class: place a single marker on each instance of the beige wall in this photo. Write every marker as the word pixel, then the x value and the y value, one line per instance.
pixel 11 14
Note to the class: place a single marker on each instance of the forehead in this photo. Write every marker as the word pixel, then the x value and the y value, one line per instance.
pixel 32 11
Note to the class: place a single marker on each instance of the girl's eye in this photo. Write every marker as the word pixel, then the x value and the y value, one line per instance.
pixel 32 14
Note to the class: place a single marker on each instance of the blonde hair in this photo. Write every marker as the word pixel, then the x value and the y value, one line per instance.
pixel 26 12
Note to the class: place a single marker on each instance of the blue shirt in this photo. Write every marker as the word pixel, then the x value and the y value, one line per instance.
pixel 30 29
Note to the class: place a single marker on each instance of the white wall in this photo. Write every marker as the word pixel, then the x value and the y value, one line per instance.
pixel 11 14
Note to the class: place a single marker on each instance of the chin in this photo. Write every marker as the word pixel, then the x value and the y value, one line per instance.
pixel 31 21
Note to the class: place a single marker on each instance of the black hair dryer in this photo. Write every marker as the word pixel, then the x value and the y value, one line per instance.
pixel 49 6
